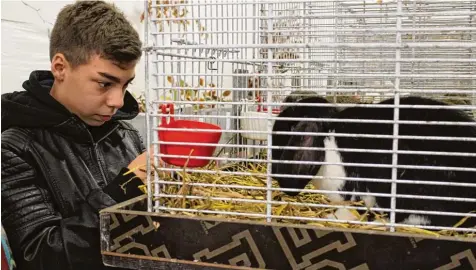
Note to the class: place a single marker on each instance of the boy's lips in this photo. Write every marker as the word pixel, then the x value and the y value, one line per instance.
pixel 105 117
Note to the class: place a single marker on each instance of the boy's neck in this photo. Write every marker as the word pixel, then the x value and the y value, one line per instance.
pixel 55 93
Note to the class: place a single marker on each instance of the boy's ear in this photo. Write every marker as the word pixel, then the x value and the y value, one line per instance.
pixel 59 66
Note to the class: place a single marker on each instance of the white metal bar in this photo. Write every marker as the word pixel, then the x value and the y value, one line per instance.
pixel 343 90
pixel 396 14
pixel 383 45
pixel 330 120
pixel 354 179
pixel 355 150
pixel 147 97
pixel 349 135
pixel 396 116
pixel 153 110
pixel 281 161
pixel 269 123
pixel 472 55
pixel 389 30
pixel 357 75
pixel 317 105
pixel 301 60
pixel 199 3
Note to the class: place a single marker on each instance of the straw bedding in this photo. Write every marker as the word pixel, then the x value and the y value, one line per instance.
pixel 232 200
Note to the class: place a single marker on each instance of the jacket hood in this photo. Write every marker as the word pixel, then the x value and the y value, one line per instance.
pixel 36 108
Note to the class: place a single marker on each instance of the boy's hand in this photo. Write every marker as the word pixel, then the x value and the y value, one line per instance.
pixel 139 165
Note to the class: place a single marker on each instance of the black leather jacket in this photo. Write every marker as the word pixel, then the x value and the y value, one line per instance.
pixel 57 173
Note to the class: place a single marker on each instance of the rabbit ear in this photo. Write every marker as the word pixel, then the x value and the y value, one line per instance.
pixel 301 155
pixel 297 112
pixel 299 140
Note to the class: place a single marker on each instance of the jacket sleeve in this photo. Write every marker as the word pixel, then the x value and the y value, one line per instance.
pixel 124 187
pixel 39 236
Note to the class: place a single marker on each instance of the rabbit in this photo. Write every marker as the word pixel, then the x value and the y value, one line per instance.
pixel 331 141
pixel 296 96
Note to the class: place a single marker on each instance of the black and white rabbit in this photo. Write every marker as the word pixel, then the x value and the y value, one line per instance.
pixel 332 141
pixel 296 96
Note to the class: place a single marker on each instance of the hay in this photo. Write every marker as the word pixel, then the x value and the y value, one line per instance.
pixel 230 199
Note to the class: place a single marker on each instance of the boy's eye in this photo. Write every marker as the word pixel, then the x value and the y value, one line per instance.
pixel 104 84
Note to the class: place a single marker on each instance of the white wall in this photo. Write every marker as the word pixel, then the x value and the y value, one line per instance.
pixel 25 39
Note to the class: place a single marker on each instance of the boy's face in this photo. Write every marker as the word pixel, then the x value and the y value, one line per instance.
pixel 92 91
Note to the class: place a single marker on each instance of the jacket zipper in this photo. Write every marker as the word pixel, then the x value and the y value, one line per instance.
pixel 96 153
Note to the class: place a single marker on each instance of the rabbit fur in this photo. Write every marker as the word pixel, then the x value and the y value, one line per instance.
pixel 331 140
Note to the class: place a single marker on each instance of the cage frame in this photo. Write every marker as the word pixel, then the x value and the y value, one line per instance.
pixel 439 247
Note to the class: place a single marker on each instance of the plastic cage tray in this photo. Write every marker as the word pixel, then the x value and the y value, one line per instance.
pixel 133 238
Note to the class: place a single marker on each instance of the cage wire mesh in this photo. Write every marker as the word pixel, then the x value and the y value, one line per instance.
pixel 247 98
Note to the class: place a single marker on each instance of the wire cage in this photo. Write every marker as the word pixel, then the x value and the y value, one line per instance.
pixel 344 114
pixel 232 64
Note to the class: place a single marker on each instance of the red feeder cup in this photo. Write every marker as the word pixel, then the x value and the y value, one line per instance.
pixel 189 137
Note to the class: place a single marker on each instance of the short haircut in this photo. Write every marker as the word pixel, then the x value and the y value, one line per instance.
pixel 88 28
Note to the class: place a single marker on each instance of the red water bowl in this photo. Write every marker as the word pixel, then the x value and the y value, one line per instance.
pixel 190 137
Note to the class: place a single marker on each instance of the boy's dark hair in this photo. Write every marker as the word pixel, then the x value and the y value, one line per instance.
pixel 86 28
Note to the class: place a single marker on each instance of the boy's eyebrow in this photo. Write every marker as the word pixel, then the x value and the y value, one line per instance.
pixel 110 77
pixel 113 78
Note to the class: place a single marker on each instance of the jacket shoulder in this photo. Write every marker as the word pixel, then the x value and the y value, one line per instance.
pixel 134 133
pixel 16 138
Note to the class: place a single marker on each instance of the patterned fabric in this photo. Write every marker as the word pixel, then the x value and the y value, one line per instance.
pixel 7 258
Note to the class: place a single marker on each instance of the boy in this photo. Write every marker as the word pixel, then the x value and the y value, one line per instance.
pixel 64 148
